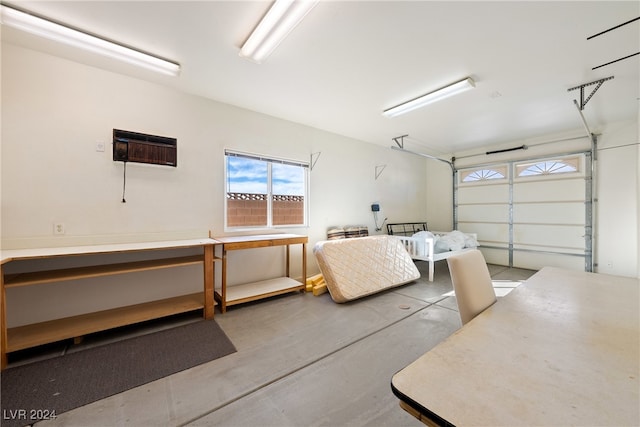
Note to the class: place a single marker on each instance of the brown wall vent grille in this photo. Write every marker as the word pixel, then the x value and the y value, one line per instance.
pixel 142 148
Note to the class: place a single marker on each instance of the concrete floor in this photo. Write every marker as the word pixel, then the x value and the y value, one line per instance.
pixel 301 361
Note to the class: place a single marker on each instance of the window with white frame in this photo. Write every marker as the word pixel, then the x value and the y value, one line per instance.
pixel 483 174
pixel 264 191
pixel 548 167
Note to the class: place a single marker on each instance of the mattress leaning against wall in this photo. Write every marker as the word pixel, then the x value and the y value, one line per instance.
pixel 354 268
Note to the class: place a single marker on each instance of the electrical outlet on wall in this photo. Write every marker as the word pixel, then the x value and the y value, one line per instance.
pixel 58 228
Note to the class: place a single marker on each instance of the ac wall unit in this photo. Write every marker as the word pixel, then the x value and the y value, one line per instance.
pixel 142 148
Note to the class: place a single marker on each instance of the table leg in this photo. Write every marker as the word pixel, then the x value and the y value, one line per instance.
pixel 304 263
pixel 425 420
pixel 288 252
pixel 209 274
pixel 223 282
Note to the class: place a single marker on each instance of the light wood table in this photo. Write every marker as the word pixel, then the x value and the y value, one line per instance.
pixel 561 349
pixel 32 335
pixel 237 294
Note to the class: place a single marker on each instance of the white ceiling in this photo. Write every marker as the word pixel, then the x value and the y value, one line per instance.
pixel 350 60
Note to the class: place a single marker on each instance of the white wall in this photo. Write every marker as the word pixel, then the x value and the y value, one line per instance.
pixel 439 195
pixel 617 243
pixel 54 112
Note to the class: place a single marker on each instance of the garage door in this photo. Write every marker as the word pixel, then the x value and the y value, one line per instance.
pixel 529 214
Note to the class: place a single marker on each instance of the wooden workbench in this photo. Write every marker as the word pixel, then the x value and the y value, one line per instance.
pixel 32 335
pixel 237 294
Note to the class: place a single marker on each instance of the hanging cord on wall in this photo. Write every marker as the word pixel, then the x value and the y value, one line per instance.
pixel 124 182
pixel 375 219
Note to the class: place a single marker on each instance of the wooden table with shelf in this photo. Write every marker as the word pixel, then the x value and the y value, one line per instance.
pixel 237 294
pixel 22 337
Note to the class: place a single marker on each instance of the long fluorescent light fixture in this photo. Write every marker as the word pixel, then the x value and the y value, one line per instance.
pixel 282 17
pixel 431 97
pixel 60 33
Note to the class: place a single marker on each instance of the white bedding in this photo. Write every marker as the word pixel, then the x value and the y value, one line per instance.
pixel 446 242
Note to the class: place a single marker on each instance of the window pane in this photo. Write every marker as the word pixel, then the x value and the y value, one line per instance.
pixel 484 174
pixel 287 179
pixel 548 167
pixel 288 183
pixel 246 175
pixel 246 192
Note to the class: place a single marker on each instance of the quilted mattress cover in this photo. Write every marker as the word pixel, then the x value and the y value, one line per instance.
pixel 354 268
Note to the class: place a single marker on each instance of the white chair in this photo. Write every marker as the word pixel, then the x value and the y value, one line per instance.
pixel 471 283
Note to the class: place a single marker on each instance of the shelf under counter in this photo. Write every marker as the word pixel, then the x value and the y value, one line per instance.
pixel 50 276
pixel 35 334
pixel 253 291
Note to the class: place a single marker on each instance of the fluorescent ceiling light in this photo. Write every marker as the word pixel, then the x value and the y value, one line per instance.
pixel 281 18
pixel 434 96
pixel 60 33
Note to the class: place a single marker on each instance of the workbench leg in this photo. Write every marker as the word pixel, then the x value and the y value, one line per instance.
pixel 287 262
pixel 209 274
pixel 304 263
pixel 223 282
